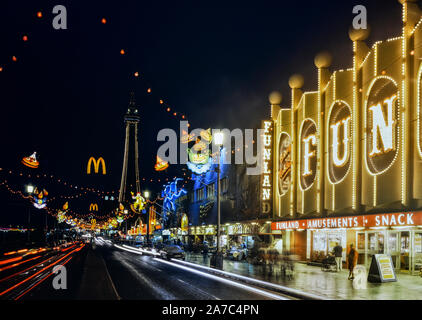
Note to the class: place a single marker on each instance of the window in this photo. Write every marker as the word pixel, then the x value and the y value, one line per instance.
pixel 224 184
pixel 211 191
pixel 200 194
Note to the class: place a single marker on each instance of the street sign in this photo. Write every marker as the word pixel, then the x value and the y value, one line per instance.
pixel 381 269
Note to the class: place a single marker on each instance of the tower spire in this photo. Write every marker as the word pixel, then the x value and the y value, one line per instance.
pixel 131 120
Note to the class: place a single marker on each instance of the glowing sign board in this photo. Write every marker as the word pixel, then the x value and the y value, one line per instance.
pixel 267 158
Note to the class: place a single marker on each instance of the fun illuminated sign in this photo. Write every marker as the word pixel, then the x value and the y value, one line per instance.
pixel 267 166
pixel 339 131
pixel 308 153
pixel 338 160
pixel 382 126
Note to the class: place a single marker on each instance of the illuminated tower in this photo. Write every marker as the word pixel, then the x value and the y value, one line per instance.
pixel 130 174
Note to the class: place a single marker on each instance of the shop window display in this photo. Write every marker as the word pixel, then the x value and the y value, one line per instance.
pixel 418 252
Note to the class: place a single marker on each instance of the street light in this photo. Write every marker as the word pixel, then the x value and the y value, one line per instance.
pixel 29 190
pixel 146 196
pixel 218 258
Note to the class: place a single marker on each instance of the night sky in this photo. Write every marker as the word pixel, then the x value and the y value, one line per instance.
pixel 66 94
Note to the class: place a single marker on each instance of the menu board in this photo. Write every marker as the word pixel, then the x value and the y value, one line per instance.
pixel 381 269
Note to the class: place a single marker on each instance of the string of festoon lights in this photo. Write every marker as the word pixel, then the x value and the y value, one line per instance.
pixel 169 109
pixel 69 213
pixel 55 179
pixel 53 212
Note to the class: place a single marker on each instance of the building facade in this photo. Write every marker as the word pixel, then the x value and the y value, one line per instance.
pixel 343 163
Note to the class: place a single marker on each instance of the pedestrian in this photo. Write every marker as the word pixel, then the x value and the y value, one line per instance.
pixel 338 253
pixel 351 260
pixel 205 250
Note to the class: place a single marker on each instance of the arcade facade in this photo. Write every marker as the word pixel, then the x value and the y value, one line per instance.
pixel 351 151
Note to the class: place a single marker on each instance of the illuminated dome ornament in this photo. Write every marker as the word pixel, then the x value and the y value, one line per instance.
pixel 161 165
pixel 31 161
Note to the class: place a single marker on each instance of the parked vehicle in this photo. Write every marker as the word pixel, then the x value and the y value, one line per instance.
pixel 172 251
pixel 237 253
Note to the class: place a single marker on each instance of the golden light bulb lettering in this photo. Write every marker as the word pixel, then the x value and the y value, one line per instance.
pixel 339 162
pixel 308 154
pixel 385 128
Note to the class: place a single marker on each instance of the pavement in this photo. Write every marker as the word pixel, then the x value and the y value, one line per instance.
pixel 330 285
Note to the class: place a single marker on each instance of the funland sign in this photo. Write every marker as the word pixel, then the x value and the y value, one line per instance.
pixel 375 220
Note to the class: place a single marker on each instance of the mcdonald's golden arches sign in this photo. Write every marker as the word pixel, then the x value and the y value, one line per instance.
pixel 96 163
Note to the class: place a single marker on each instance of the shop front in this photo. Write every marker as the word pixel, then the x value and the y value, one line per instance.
pixel 395 234
pixel 200 234
pixel 240 234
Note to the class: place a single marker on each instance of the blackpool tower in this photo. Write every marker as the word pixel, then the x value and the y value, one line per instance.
pixel 130 172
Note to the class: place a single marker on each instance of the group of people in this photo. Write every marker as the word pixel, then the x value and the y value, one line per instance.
pixel 273 261
pixel 351 259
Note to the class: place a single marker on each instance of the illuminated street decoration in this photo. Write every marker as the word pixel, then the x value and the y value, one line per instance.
pixel 171 193
pixel 285 163
pixel 199 155
pixel 161 165
pixel 308 154
pixel 31 161
pixel 382 122
pixel 61 216
pixel 139 203
pixel 40 198
pixel 96 163
pixel 266 182
pixel 184 223
pixel 339 141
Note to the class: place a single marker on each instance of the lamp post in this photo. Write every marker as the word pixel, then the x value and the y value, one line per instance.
pixel 29 190
pixel 126 212
pixel 146 196
pixel 218 259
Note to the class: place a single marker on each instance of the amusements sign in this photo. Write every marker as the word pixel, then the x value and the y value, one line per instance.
pixel 375 220
pixel 382 269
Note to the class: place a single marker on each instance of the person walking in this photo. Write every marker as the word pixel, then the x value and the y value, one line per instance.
pixel 352 258
pixel 338 254
pixel 205 250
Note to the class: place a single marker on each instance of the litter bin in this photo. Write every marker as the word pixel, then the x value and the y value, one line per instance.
pixel 216 260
